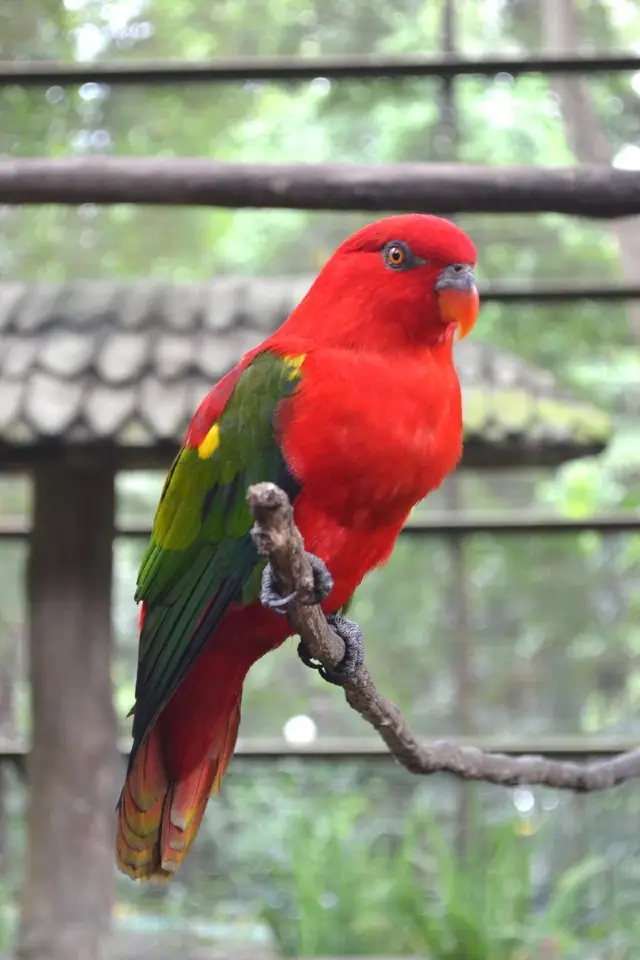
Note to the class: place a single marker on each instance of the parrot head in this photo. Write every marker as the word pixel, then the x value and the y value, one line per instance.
pixel 404 281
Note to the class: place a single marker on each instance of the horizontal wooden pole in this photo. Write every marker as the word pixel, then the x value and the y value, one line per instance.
pixel 439 524
pixel 590 191
pixel 295 69
pixel 355 748
pixel 479 454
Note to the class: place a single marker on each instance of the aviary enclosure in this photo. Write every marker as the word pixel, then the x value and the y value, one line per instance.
pixel 157 220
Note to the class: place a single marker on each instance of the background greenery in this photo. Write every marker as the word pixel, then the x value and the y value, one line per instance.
pixel 499 635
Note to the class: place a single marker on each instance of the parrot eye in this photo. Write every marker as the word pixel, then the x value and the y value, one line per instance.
pixel 398 256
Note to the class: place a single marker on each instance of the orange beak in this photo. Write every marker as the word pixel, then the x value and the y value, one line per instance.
pixel 458 297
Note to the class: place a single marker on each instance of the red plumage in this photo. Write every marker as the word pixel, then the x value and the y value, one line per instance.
pixel 373 426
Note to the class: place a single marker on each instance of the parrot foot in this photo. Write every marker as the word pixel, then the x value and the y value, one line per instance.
pixel 271 597
pixel 351 635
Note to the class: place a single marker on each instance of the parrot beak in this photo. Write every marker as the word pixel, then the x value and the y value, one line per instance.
pixel 458 297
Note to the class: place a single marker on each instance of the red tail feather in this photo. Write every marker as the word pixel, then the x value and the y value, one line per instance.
pixel 185 757
pixel 159 816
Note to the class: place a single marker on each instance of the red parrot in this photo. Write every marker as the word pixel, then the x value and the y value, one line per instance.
pixel 353 407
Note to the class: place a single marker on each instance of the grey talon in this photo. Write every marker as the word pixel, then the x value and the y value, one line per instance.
pixel 271 597
pixel 322 580
pixel 351 635
pixel 306 657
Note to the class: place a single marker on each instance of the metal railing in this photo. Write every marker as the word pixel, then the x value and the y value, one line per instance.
pixel 441 524
pixel 299 69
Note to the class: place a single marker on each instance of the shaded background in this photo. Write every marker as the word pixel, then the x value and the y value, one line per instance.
pixel 526 636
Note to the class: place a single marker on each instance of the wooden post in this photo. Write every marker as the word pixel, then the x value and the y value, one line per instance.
pixel 68 892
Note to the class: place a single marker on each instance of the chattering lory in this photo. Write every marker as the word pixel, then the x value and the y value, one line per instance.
pixel 353 408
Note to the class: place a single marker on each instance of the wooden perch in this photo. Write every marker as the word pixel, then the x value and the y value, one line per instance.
pixel 278 539
pixel 590 191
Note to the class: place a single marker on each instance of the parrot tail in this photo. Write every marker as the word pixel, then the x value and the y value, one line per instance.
pixel 159 815
pixel 183 759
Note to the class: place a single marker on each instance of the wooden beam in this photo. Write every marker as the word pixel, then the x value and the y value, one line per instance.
pixel 68 892
pixel 513 454
pixel 296 69
pixel 590 191
pixel 150 456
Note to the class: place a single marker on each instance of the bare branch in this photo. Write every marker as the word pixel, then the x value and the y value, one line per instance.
pixel 278 539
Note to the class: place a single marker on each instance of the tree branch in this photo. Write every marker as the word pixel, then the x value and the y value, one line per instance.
pixel 589 191
pixel 278 539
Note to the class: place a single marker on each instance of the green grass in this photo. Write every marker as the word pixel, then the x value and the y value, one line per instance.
pixel 345 890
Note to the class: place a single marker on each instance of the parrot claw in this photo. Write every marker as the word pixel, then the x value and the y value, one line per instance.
pixel 351 635
pixel 271 597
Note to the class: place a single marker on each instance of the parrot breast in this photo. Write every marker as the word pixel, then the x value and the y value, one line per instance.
pixel 368 438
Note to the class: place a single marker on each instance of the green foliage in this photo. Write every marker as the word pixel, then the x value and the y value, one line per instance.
pixel 546 627
pixel 343 892
pixel 514 411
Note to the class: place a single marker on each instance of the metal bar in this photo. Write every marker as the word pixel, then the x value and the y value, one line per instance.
pixel 478 523
pixel 545 293
pixel 371 748
pixel 364 748
pixel 438 524
pixel 296 69
pixel 551 294
pixel 589 191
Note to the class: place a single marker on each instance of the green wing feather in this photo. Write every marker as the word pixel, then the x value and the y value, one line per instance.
pixel 201 556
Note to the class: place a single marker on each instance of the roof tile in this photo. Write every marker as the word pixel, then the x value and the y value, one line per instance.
pixel 51 404
pixel 18 355
pixel 10 296
pixel 107 409
pixel 65 353
pixel 131 361
pixel 11 392
pixel 38 308
pixel 122 357
pixel 174 355
pixel 164 407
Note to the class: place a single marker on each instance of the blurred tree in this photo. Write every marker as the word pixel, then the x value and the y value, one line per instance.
pixel 555 643
pixel 585 134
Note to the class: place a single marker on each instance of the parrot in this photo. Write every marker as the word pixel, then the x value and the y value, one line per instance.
pixel 353 408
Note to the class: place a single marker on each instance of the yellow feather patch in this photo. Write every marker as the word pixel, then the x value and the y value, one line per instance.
pixel 295 363
pixel 210 443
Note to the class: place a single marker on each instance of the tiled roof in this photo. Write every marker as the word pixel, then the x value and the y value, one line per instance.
pixel 127 363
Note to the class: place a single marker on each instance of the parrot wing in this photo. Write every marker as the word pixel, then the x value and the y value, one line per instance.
pixel 201 557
